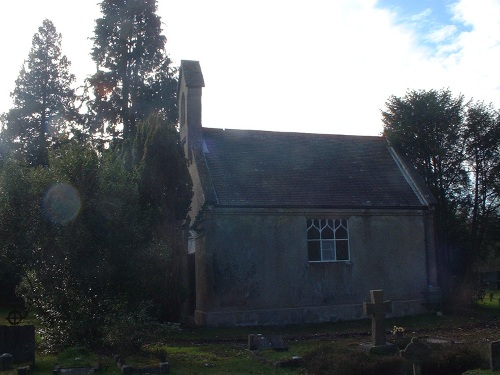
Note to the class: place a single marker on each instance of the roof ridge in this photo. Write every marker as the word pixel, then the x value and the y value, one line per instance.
pixel 293 133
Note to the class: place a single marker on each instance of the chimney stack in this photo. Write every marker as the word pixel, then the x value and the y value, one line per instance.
pixel 189 96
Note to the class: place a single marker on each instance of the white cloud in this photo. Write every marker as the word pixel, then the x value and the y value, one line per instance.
pixel 442 34
pixel 475 52
pixel 323 67
pixel 319 66
pixel 419 17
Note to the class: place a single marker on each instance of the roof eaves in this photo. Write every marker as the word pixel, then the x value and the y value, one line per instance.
pixel 421 191
pixel 205 178
pixel 322 207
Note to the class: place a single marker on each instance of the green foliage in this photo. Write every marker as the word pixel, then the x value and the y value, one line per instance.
pixel 10 278
pixel 128 332
pixel 134 77
pixel 455 146
pixel 94 235
pixel 43 99
pixel 77 357
pixel 165 191
pixel 92 246
pixel 165 185
pixel 454 359
pixel 75 230
pixel 482 147
pixel 427 127
pixel 327 360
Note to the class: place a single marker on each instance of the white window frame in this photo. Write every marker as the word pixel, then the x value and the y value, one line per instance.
pixel 330 234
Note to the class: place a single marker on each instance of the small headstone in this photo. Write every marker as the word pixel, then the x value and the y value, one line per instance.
pixel 127 369
pixel 416 352
pixel 294 362
pixel 164 368
pixel 277 342
pixel 58 370
pixel 495 355
pixel 25 370
pixel 261 342
pixel 6 361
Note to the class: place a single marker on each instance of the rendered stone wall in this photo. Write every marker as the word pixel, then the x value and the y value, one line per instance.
pixel 252 267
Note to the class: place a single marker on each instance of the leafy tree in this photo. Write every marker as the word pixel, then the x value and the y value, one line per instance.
pixel 91 240
pixel 43 98
pixel 134 77
pixel 482 138
pixel 428 127
pixel 165 191
pixel 74 228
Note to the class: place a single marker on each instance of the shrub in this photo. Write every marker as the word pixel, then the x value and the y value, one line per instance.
pixel 327 361
pixel 77 357
pixel 127 332
pixel 454 359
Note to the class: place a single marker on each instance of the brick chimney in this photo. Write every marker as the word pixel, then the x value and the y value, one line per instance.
pixel 189 95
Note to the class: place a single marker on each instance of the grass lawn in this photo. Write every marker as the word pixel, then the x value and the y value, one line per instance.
pixel 197 350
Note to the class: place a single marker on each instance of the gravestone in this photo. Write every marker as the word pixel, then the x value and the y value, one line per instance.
pixel 377 309
pixel 19 341
pixel 495 356
pixel 58 370
pixel 261 342
pixel 5 362
pixel 162 368
pixel 416 352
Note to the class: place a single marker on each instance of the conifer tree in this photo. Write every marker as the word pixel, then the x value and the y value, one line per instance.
pixel 43 99
pixel 133 77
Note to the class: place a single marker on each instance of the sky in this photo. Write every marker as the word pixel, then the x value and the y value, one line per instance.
pixel 323 66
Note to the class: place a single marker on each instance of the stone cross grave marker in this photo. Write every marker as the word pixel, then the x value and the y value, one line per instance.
pixel 377 309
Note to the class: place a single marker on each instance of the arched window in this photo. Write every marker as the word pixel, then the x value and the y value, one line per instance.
pixel 327 240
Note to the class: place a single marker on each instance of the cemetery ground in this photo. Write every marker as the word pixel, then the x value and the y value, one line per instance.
pixel 460 342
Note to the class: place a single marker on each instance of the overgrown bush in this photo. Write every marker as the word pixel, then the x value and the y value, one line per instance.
pixel 326 360
pixel 88 248
pixel 454 359
pixel 129 331
pixel 77 357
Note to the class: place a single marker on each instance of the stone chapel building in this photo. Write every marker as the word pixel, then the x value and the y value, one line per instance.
pixel 296 228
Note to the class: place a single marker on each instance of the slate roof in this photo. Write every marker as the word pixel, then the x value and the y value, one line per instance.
pixel 251 168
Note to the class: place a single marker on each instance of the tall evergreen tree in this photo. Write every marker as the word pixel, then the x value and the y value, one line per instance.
pixel 43 98
pixel 133 77
pixel 164 183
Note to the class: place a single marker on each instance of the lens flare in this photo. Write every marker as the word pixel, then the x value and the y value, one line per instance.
pixel 61 204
